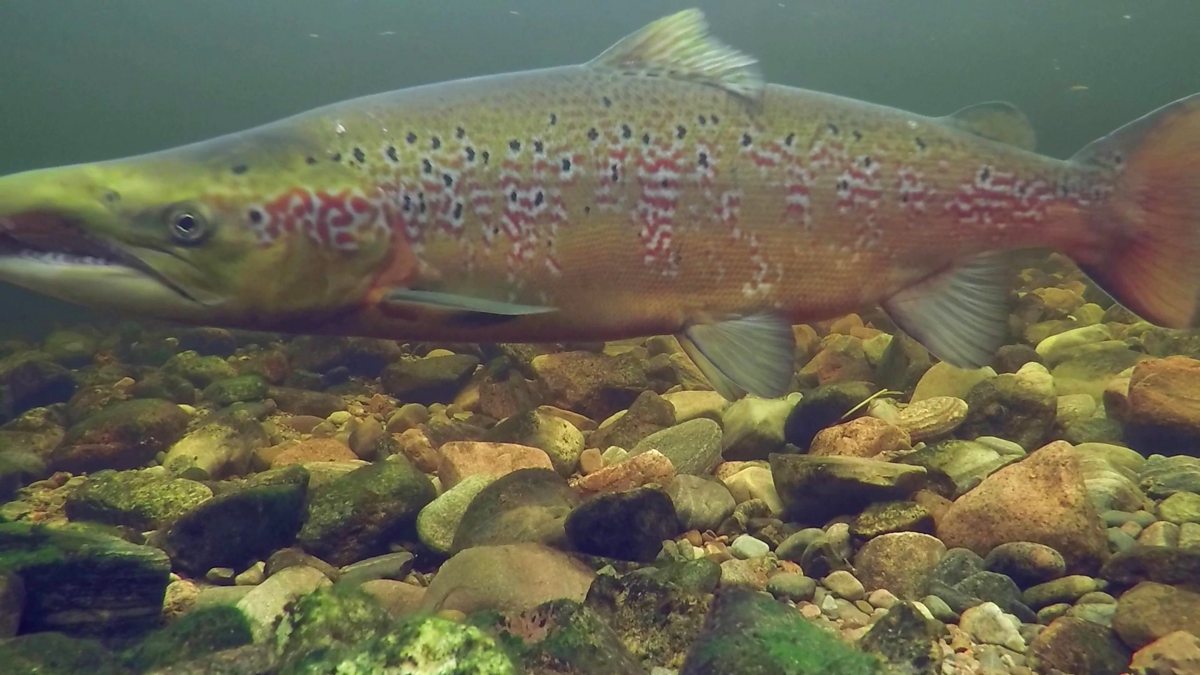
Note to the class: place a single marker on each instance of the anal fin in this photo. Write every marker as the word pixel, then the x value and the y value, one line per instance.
pixel 960 315
pixel 746 355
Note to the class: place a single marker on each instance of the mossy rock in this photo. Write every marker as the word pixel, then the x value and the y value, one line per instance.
pixel 236 390
pixel 195 634
pixel 328 620
pixel 52 653
pixel 143 500
pixel 655 619
pixel 749 632
pixel 562 636
pixel 201 371
pixel 124 435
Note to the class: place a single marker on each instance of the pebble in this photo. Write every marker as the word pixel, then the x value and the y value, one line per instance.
pixel 1066 589
pixel 1026 562
pixel 882 598
pixel 252 576
pixel 222 576
pixel 746 547
pixel 389 566
pixel 755 482
pixel 1160 533
pixel 791 586
pixel 1181 507
pixel 845 585
pixel 989 625
pixel 1049 613
pixel 938 609
pixel 591 461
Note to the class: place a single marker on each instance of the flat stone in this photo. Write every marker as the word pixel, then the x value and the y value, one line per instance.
pixel 466 458
pixel 528 505
pixel 1027 562
pixel 1150 611
pixel 649 468
pixel 1066 589
pixel 814 489
pixel 506 577
pixel 694 447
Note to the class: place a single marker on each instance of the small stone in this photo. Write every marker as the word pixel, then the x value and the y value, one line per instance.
pixel 845 585
pixel 908 638
pixel 694 447
pixel 932 418
pixel 901 562
pixel 791 586
pixel 428 380
pixel 886 517
pixel 590 461
pixel 690 405
pixel 465 458
pixel 559 439
pixel 814 489
pixel 1066 589
pixel 143 500
pixel 701 503
pixel 528 505
pixel 861 437
pixel 394 566
pixel 649 413
pixel 1051 612
pixel 754 427
pixel 750 574
pixel 944 379
pixel 1161 533
pixel 1176 653
pixel 745 547
pixel 439 520
pixel 755 482
pixel 264 604
pixel 648 468
pixel 398 598
pixel 1181 507
pixel 938 609
pixel 303 452
pixel 1027 562
pixel 1155 563
pixel 882 598
pixel 987 624
pixel 124 435
pixel 1072 645
pixel 252 575
pixel 236 389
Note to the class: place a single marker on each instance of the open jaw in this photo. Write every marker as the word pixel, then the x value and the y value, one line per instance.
pixel 53 254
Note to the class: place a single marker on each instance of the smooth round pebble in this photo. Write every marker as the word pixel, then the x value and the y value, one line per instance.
pixel 746 547
pixel 791 586
pixel 845 585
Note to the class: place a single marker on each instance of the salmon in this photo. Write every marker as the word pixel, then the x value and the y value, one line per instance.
pixel 660 188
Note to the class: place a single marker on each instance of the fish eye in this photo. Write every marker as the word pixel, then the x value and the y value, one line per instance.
pixel 187 227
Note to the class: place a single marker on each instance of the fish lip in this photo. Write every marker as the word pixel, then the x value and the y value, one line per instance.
pixel 55 238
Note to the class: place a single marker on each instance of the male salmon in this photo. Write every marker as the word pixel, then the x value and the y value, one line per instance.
pixel 661 188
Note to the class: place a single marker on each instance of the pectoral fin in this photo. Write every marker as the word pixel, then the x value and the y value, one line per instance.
pixel 464 309
pixel 752 354
pixel 960 315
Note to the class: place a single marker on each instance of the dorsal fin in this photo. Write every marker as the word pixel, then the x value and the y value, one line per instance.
pixel 680 46
pixel 996 121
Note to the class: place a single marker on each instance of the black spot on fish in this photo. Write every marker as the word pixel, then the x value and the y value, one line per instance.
pixel 486 156
pixel 843 185
pixel 666 183
pixel 566 164
pixel 310 160
pixel 427 166
pixel 833 128
pixel 538 147
pixel 704 159
pixel 239 169
pixel 459 132
pixel 904 197
pixel 539 198
pixel 857 134
pixel 587 210
pixel 470 153
pixel 435 142
pixel 985 174
pixel 791 138
pixel 337 157
pixel 606 101
pixel 702 120
pixel 407 203
pixel 615 174
pixel 391 153
pixel 514 145
pixel 680 131
pixel 920 143
pixel 411 138
pixel 421 202
pixel 866 162
pixel 553 119
pixel 256 216
pixel 448 179
pixel 593 134
pixel 360 156
pixel 626 132
pixel 716 120
pixel 746 140
pixel 512 196
pixel 458 210
pixel 645 139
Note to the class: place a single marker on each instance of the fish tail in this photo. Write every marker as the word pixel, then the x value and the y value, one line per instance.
pixel 1151 261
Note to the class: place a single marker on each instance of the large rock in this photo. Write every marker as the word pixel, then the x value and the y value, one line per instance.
pixel 30 380
pixel 648 413
pixel 428 380
pixel 1151 610
pixel 559 439
pixel 901 562
pixel 83 582
pixel 814 489
pixel 1041 499
pixel 1019 406
pixel 506 577
pixel 440 519
pixel 944 379
pixel 352 516
pixel 1073 645
pixel 963 463
pixel 1164 401
pixel 627 525
pixel 596 385
pixel 1162 563
pixel 222 446
pixel 658 615
pixel 1177 653
pixel 468 458
pixel 528 505
pixel 122 436
pixel 908 639
pixel 144 500
pixel 754 427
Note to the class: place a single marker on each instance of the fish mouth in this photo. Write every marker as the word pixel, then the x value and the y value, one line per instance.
pixel 61 242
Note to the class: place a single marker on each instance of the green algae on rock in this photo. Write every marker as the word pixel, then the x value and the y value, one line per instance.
pixel 124 435
pixel 750 632
pixel 198 633
pixel 145 500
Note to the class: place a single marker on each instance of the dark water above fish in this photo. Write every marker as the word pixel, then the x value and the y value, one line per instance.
pixel 84 81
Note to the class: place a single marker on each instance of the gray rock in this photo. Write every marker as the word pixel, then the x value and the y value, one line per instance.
pixel 701 503
pixel 989 625
pixel 1163 476
pixel 1026 562
pixel 906 638
pixel 901 562
pixel 560 440
pixel 428 380
pixel 957 564
pixel 791 586
pixel 939 609
pixel 1020 407
pixel 1154 563
pixel 745 547
pixel 844 585
pixel 997 588
pixel 627 525
pixel 223 446
pixel 1150 611
pixel 264 604
pixel 754 427
pixel 814 489
pixel 236 390
pixel 964 463
pixel 694 447
pixel 439 520
pixel 794 545
pixel 506 577
pixel 394 566
pixel 527 505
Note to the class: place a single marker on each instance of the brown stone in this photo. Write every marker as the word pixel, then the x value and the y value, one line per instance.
pixel 1041 499
pixel 650 467
pixel 460 459
pixel 901 562
pixel 1175 653
pixel 861 437
pixel 1072 645
pixel 415 445
pixel 303 452
pixel 1150 611
pixel 1164 394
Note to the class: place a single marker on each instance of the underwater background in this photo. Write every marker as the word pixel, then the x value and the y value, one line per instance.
pixel 195 500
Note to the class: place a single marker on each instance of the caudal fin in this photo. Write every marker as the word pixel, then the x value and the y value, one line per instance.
pixel 1153 266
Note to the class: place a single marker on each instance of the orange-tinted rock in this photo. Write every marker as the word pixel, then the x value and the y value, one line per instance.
pixel 311 450
pixel 861 437
pixel 460 459
pixel 1164 394
pixel 644 469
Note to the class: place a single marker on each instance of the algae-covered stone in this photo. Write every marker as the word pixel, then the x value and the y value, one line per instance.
pixel 1072 645
pixel 124 435
pixel 144 500
pixel 964 463
pixel 222 446
pixel 70 348
pixel 749 632
pixel 352 516
pixel 628 525
pixel 557 437
pixel 658 620
pixel 202 631
pixel 596 385
pixel 201 371
pixel 1181 507
pixel 248 521
pixel 908 639
pixel 823 407
pixel 886 517
pixel 80 581
pixel 236 389
pixel 428 380
pixel 814 489
pixel 527 505
pixel 50 653
pixel 694 447
pixel 754 427
pixel 563 636
pixel 701 503
pixel 1020 406
pixel 438 521
pixel 328 620
pixel 30 380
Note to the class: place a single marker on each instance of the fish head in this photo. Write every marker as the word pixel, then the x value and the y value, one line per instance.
pixel 220 233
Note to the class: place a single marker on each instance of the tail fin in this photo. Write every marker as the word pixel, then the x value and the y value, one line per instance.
pixel 1153 268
